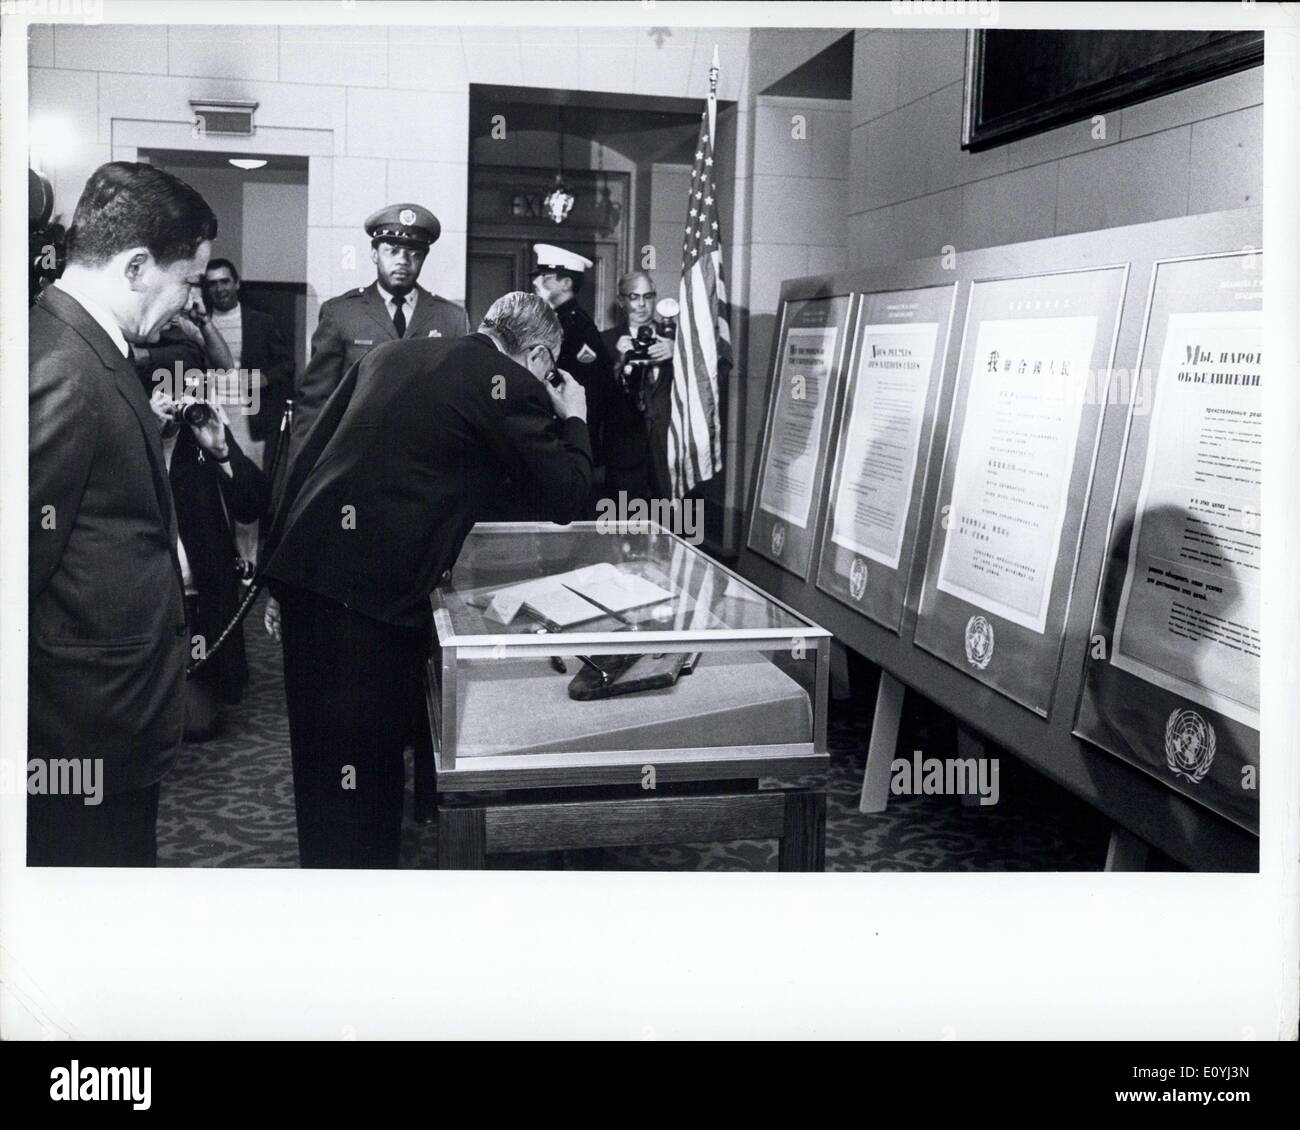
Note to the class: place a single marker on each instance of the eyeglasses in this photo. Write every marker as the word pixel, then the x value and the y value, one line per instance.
pixel 648 296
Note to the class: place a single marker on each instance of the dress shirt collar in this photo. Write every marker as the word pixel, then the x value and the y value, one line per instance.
pixel 96 311
pixel 389 299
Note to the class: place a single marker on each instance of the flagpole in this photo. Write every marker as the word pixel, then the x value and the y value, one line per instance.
pixel 694 419
pixel 713 94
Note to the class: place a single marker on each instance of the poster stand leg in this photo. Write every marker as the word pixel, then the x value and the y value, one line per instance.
pixel 970 747
pixel 1126 852
pixel 884 741
pixel 841 686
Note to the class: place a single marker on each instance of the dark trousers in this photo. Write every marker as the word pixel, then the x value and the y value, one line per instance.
pixel 201 701
pixel 349 682
pixel 120 831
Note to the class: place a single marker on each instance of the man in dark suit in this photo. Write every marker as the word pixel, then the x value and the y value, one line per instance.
pixel 106 619
pixel 641 406
pixel 379 500
pixel 392 307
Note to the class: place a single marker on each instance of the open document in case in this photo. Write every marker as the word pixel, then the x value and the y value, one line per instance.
pixel 574 597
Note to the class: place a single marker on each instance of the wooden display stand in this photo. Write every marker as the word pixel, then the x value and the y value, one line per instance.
pixel 1143 809
pixel 579 801
pixel 472 826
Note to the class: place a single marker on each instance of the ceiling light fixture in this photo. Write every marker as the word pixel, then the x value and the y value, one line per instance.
pixel 247 163
pixel 559 201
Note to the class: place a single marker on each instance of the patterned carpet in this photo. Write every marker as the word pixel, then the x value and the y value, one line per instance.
pixel 229 803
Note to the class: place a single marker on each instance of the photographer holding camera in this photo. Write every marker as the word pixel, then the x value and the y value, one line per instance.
pixel 640 412
pixel 213 482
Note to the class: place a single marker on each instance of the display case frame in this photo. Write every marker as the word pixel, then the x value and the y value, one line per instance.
pixel 560 769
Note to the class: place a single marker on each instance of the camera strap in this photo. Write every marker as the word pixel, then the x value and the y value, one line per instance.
pixel 256 585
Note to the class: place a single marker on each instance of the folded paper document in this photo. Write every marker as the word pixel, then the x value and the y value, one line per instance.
pixel 558 599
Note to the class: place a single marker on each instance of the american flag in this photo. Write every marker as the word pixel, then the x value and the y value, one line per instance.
pixel 695 434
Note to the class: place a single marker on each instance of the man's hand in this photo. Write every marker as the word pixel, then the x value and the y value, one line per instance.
pixel 188 328
pixel 197 310
pixel 569 400
pixel 212 435
pixel 624 344
pixel 271 618
pixel 163 407
pixel 661 349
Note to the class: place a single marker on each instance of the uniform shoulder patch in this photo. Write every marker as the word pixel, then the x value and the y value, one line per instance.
pixel 586 355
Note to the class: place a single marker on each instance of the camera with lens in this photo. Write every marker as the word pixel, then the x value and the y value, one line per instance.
pixel 644 338
pixel 636 372
pixel 198 413
pixel 663 328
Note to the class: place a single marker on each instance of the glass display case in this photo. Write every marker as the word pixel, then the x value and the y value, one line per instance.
pixel 601 655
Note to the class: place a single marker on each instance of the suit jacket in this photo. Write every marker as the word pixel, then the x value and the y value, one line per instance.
pixel 264 348
pixel 106 618
pixel 207 500
pixel 636 445
pixel 351 325
pixel 583 356
pixel 404 459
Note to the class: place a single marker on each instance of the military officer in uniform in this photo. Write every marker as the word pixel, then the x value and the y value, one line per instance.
pixel 393 306
pixel 557 278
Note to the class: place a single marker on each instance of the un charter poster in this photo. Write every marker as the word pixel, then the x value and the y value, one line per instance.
pixel 1172 683
pixel 805 380
pixel 1189 614
pixel 1033 377
pixel 882 449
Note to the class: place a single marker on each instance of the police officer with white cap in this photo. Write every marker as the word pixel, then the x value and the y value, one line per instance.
pixel 557 277
pixel 393 306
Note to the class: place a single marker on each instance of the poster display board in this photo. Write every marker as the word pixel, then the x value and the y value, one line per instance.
pixel 1034 372
pixel 1172 680
pixel 882 449
pixel 811 350
pixel 1021 627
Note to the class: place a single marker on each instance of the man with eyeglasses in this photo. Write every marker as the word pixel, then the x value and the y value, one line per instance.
pixel 407 455
pixel 640 408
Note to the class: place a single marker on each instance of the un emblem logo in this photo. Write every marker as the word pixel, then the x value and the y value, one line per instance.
pixel 1189 745
pixel 857 578
pixel 778 538
pixel 979 642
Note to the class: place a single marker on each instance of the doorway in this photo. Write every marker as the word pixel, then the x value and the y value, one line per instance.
pixel 625 159
pixel 503 231
pixel 261 227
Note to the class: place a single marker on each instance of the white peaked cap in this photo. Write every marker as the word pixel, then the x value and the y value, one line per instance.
pixel 548 255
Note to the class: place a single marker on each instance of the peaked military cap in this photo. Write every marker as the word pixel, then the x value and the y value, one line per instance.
pixel 406 224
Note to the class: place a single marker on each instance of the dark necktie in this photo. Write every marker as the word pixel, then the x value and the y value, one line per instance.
pixel 399 316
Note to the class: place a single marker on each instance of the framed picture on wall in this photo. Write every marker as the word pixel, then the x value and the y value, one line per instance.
pixel 1022 82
